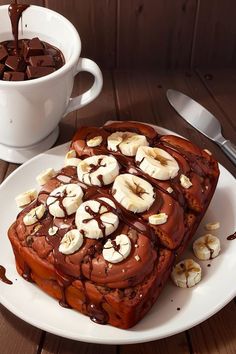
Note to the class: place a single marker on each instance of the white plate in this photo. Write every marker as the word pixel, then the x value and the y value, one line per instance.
pixel 216 289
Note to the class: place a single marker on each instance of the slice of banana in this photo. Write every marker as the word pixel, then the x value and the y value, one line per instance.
pixel 71 159
pixel 95 220
pixel 212 226
pixel 45 176
pixel 96 141
pixel 185 182
pixel 157 163
pixel 127 142
pixel 133 193
pixel 169 190
pixel 115 251
pixel 52 230
pixel 71 242
pixel 65 200
pixel 158 219
pixel 186 273
pixel 98 170
pixel 206 247
pixel 207 151
pixel 26 198
pixel 34 215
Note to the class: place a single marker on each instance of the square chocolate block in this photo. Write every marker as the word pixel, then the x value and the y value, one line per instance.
pixel 33 47
pixel 41 60
pixel 3 53
pixel 34 72
pixel 51 51
pixel 13 76
pixel 15 63
pixel 2 67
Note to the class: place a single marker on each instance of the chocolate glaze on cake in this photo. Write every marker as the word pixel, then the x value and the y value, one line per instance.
pixel 116 293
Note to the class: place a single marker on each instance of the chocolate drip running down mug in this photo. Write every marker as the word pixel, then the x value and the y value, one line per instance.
pixel 31 110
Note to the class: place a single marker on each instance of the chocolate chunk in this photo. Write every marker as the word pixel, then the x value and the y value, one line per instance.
pixel 3 53
pixel 33 47
pixel 34 72
pixel 32 54
pixel 13 76
pixel 51 51
pixel 41 60
pixel 15 63
pixel 2 67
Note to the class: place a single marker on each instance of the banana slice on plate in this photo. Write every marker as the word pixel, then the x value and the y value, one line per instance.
pixel 133 193
pixel 98 170
pixel 186 273
pixel 206 247
pixel 93 142
pixel 185 181
pixel 158 219
pixel 157 163
pixel 212 226
pixel 45 176
pixel 34 215
pixel 127 142
pixel 115 251
pixel 71 242
pixel 26 198
pixel 65 200
pixel 71 159
pixel 95 220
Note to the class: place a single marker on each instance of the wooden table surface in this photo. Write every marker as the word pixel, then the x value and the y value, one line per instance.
pixel 141 96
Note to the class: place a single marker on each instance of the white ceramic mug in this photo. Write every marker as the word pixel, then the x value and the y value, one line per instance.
pixel 31 110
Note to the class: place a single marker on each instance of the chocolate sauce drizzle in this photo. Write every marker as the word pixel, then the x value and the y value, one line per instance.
pixel 232 237
pixel 15 11
pixel 3 276
pixel 97 314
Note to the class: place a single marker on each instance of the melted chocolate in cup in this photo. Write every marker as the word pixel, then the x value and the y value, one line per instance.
pixel 15 12
pixel 26 59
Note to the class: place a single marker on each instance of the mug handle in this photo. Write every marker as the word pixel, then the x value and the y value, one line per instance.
pixel 85 64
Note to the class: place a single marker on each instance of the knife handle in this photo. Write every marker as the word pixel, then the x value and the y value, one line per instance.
pixel 230 150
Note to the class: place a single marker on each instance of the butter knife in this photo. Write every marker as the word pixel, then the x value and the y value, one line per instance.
pixel 202 120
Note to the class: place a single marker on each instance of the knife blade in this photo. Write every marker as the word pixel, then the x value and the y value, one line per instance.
pixel 201 119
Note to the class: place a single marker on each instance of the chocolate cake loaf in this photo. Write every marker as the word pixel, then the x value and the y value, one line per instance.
pixel 103 233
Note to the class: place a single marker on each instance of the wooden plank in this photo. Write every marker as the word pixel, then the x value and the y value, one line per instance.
pixel 16 336
pixel 132 96
pixel 3 169
pixel 221 86
pixel 170 345
pixel 155 33
pixel 96 24
pixel 54 344
pixel 103 108
pixel 11 167
pixel 216 335
pixel 215 24
pixel 31 2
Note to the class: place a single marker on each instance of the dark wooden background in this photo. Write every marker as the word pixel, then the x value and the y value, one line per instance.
pixel 165 34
